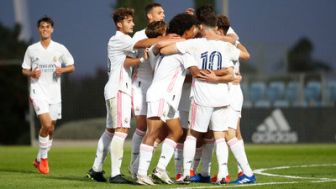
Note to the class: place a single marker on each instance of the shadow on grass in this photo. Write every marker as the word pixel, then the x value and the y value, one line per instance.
pixel 19 171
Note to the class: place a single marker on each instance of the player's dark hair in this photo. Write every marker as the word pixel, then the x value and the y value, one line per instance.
pixel 150 7
pixel 46 19
pixel 181 23
pixel 206 15
pixel 156 29
pixel 121 14
pixel 223 23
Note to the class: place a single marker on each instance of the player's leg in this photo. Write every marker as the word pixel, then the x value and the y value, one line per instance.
pixel 178 153
pixel 46 125
pixel 168 147
pixel 103 147
pixel 121 111
pixel 199 118
pixel 139 108
pixel 237 148
pixel 219 127
pixel 240 138
pixel 154 125
pixel 139 133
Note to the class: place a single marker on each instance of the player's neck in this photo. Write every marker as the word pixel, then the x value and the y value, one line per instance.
pixel 45 42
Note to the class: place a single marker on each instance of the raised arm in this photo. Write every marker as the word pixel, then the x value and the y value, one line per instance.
pixel 244 54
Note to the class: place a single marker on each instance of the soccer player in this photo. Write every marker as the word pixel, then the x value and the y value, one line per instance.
pixel 210 101
pixel 233 136
pixel 142 78
pixel 42 64
pixel 117 94
pixel 163 97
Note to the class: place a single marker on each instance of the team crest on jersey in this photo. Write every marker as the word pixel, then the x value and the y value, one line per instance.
pixel 34 59
pixel 126 121
pixel 55 59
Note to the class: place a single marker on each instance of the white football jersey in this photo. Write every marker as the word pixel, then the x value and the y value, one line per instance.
pixel 143 71
pixel 236 93
pixel 211 55
pixel 169 77
pixel 48 85
pixel 118 47
pixel 185 97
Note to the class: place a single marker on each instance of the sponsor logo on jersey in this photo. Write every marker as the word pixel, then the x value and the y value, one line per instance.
pixel 274 129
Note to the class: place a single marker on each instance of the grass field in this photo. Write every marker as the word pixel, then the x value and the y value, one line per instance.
pixel 276 166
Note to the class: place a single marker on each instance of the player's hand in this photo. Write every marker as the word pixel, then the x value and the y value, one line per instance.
pixel 190 11
pixel 208 76
pixel 58 71
pixel 36 73
pixel 237 79
pixel 145 55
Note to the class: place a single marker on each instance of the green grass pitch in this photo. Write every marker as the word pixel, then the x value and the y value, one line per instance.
pixel 276 166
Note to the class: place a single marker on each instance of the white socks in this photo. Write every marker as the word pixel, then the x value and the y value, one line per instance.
pixel 207 156
pixel 167 153
pixel 197 158
pixel 222 158
pixel 178 158
pixel 117 152
pixel 102 150
pixel 136 141
pixel 43 150
pixel 145 157
pixel 189 150
pixel 237 148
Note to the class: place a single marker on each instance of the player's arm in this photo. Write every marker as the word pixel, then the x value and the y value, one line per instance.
pixel 211 76
pixel 135 61
pixel 67 69
pixel 145 43
pixel 35 73
pixel 244 54
pixel 231 38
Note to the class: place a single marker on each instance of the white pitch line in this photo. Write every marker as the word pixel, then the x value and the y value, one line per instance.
pixel 261 172
pixel 236 186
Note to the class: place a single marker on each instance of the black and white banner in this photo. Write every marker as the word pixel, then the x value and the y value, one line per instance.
pixel 289 125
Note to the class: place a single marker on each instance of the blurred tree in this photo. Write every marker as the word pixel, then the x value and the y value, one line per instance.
pixel 198 3
pixel 300 58
pixel 139 11
pixel 10 46
pixel 14 128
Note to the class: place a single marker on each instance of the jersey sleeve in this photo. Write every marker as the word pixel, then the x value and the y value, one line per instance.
pixel 231 31
pixel 67 57
pixel 127 44
pixel 184 46
pixel 234 52
pixel 152 57
pixel 188 61
pixel 27 64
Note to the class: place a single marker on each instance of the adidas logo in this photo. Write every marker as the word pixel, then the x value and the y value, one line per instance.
pixel 275 129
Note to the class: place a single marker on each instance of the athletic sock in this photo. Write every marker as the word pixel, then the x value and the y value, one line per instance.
pixel 167 153
pixel 237 148
pixel 178 158
pixel 102 150
pixel 136 141
pixel 117 152
pixel 222 154
pixel 43 150
pixel 189 150
pixel 145 157
pixel 207 157
pixel 197 158
pixel 239 169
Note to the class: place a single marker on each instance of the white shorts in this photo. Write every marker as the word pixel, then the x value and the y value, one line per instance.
pixel 139 90
pixel 202 118
pixel 184 116
pixel 232 117
pixel 42 106
pixel 118 111
pixel 162 110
